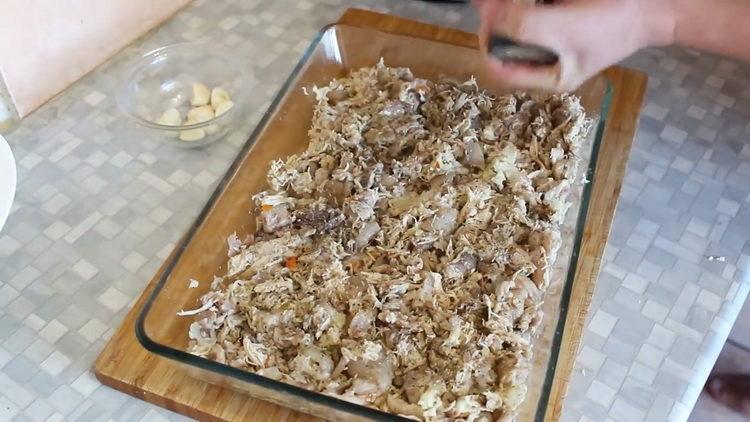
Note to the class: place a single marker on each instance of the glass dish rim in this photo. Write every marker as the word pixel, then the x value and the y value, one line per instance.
pixel 144 59
pixel 320 398
pixel 578 239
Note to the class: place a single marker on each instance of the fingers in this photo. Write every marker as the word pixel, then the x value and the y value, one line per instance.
pixel 587 36
pixel 511 75
pixel 506 17
pixel 532 24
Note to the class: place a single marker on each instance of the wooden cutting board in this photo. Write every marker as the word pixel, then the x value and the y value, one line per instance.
pixel 128 367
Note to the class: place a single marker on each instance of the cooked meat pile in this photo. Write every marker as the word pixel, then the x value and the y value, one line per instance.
pixel 401 260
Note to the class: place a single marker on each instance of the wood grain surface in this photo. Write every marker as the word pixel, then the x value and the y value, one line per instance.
pixel 126 366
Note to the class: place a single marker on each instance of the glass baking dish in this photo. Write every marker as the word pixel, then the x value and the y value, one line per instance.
pixel 283 131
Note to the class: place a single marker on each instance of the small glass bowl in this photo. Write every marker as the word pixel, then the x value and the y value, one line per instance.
pixel 164 78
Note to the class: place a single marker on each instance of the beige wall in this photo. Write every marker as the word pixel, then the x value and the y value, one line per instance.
pixel 45 45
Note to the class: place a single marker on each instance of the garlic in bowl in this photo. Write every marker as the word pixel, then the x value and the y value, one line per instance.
pixel 201 95
pixel 188 94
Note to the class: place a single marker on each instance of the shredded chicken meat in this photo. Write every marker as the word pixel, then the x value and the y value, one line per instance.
pixel 400 261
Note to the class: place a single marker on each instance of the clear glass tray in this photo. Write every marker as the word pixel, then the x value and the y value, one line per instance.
pixel 283 131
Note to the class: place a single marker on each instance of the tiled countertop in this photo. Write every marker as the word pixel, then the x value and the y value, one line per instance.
pixel 99 206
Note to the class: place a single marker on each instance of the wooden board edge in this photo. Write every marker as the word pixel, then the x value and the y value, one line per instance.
pixel 626 103
pixel 127 326
pixel 157 400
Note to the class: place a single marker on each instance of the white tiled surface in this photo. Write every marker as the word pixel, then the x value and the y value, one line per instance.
pixel 100 206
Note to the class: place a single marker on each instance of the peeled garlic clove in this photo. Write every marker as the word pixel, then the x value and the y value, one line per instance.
pixel 200 114
pixel 219 95
pixel 192 134
pixel 211 129
pixel 171 117
pixel 224 107
pixel 201 95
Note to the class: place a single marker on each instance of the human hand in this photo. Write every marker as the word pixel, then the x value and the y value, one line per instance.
pixel 588 35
